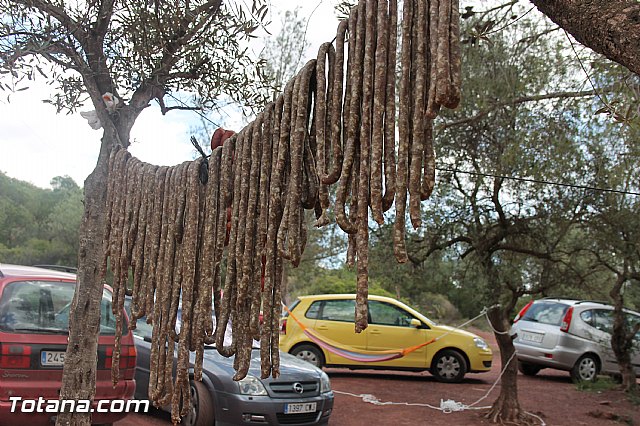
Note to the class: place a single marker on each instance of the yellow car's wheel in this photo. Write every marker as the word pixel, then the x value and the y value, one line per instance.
pixel 449 366
pixel 309 353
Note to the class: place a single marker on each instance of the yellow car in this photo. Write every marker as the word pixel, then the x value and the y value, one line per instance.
pixel 320 329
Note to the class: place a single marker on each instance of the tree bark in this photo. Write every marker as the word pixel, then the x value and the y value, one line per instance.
pixel 506 408
pixel 621 339
pixel 609 27
pixel 79 374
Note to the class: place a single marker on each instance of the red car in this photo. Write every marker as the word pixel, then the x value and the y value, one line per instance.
pixel 34 318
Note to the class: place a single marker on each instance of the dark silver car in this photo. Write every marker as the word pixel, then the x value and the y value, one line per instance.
pixel 301 395
pixel 570 335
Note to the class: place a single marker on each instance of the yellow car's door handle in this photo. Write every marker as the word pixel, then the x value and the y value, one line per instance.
pixel 375 331
pixel 322 327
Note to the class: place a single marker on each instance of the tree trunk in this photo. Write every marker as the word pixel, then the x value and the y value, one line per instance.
pixel 609 27
pixel 506 409
pixel 79 374
pixel 622 339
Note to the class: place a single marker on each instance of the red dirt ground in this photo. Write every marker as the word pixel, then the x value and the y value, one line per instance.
pixel 550 395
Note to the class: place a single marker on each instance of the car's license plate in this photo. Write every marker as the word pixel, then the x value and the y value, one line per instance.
pixel 52 358
pixel 308 407
pixel 532 337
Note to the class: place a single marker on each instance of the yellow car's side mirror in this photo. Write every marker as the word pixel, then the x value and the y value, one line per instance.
pixel 415 323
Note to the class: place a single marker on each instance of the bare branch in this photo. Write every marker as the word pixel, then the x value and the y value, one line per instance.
pixel 521 100
pixel 179 107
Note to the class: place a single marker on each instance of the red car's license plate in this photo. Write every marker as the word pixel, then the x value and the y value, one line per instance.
pixel 52 358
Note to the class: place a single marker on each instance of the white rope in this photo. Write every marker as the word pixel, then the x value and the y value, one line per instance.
pixel 484 312
pixel 446 406
pixel 504 368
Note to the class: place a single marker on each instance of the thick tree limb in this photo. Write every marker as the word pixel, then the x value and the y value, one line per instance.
pixel 609 27
pixel 521 100
pixel 104 18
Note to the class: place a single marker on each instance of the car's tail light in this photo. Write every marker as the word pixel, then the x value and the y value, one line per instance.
pixel 283 326
pixel 566 321
pixel 15 356
pixel 522 312
pixel 127 357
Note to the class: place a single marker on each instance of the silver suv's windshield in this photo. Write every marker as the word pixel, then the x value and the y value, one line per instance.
pixel 550 313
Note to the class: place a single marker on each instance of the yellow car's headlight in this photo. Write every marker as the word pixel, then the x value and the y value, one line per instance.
pixel 480 343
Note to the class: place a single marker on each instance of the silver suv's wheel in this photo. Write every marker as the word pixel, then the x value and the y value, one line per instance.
pixel 586 369
pixel 528 369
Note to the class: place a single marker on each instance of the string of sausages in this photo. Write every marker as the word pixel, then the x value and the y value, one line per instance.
pixel 327 144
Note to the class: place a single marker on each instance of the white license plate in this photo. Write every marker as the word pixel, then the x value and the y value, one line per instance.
pixel 532 337
pixel 308 407
pixel 52 358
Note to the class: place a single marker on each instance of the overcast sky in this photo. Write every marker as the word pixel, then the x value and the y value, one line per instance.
pixel 36 144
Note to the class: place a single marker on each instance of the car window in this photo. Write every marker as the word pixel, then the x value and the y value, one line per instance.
pixel 387 314
pixel 291 307
pixel 546 313
pixel 603 320
pixel 587 316
pixel 314 310
pixel 43 307
pixel 338 310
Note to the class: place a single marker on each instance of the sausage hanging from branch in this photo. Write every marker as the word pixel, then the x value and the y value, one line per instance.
pixel 178 235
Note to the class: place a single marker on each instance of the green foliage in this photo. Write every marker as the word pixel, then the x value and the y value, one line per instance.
pixel 604 383
pixel 39 226
pixel 331 281
pixel 283 54
pixel 437 307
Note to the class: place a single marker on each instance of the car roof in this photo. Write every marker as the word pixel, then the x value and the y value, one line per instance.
pixel 580 303
pixel 345 297
pixel 8 270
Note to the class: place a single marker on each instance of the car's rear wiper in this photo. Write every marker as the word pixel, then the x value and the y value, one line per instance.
pixel 42 330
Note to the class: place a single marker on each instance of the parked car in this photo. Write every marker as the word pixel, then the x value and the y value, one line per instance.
pixel 34 316
pixel 569 335
pixel 301 395
pixel 392 326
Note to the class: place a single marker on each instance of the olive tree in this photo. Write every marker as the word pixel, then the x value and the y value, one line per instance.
pixel 182 55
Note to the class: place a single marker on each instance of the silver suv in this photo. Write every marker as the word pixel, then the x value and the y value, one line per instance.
pixel 569 335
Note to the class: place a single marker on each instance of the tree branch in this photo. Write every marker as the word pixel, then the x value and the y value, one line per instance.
pixel 104 18
pixel 181 37
pixel 433 247
pixel 521 250
pixel 520 100
pixel 166 109
pixel 609 27
pixel 70 25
